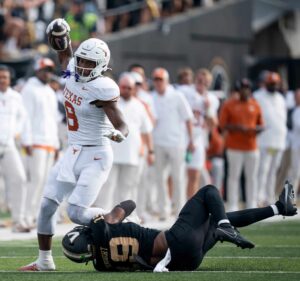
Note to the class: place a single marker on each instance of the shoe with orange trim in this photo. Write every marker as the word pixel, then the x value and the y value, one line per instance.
pixel 35 266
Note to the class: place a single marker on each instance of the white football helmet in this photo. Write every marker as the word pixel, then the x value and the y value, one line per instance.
pixel 94 50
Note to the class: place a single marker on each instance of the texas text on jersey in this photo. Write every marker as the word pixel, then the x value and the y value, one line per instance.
pixel 87 124
pixel 121 247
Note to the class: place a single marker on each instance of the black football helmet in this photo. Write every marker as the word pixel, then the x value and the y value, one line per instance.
pixel 77 244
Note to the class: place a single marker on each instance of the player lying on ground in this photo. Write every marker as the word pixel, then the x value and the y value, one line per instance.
pixel 116 246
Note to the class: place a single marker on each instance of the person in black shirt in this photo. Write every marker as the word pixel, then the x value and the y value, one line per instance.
pixel 114 245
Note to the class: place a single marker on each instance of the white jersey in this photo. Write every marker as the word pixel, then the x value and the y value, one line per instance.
pixel 295 134
pixel 172 111
pixel 87 124
pixel 14 119
pixel 197 103
pixel 138 121
pixel 147 98
pixel 41 105
pixel 275 115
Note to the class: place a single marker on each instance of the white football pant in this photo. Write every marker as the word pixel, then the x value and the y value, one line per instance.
pixel 14 179
pixel 237 160
pixel 270 160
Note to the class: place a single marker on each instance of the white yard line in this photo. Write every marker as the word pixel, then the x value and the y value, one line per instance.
pixel 216 257
pixel 191 272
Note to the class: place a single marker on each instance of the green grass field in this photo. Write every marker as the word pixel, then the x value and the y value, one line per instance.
pixel 276 257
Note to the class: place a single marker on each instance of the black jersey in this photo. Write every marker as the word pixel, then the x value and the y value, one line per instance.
pixel 117 245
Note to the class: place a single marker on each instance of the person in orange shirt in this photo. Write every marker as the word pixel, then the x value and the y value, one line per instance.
pixel 241 121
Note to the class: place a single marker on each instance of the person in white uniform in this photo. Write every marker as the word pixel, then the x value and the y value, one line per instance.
pixel 146 186
pixel 41 104
pixel 272 141
pixel 90 100
pixel 124 176
pixel 204 106
pixel 174 117
pixel 14 121
pixel 295 144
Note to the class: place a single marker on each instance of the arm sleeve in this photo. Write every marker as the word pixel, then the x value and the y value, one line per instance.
pixel 108 91
pixel 23 121
pixel 56 143
pixel 28 103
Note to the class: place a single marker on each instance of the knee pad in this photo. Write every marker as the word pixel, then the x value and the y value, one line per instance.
pixel 78 214
pixel 83 216
pixel 46 218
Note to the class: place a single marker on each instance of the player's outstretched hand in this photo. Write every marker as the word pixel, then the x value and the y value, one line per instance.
pixel 115 135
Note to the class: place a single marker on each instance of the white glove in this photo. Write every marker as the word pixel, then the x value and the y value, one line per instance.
pixel 161 266
pixel 115 135
pixel 58 21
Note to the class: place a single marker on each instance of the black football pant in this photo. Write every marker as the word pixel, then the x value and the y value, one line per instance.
pixel 192 235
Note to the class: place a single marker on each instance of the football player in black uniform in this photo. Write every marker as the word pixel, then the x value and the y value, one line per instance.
pixel 114 245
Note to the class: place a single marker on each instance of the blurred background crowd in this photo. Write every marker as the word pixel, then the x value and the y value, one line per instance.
pixel 23 23
pixel 188 128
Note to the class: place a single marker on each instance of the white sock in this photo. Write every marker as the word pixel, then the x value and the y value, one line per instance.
pixel 45 255
pixel 275 209
pixel 223 221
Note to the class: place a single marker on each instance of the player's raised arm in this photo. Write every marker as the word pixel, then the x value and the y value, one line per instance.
pixel 59 40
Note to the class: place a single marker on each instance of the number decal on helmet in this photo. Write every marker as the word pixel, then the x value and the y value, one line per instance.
pixel 73 235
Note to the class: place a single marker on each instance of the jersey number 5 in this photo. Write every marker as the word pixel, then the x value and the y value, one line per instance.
pixel 71 116
pixel 123 249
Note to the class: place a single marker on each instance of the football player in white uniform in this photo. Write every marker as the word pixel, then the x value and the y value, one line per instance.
pixel 91 110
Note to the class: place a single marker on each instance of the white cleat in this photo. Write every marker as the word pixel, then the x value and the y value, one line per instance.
pixel 36 266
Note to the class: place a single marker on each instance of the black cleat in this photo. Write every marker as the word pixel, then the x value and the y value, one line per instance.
pixel 286 198
pixel 232 235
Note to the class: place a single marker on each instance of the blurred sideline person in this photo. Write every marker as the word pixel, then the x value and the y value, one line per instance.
pixel 261 83
pixel 295 144
pixel 14 121
pixel 203 80
pixel 41 104
pixel 138 68
pixel 272 141
pixel 185 80
pixel 90 100
pixel 174 117
pixel 124 176
pixel 205 117
pixel 115 246
pixel 146 185
pixel 241 121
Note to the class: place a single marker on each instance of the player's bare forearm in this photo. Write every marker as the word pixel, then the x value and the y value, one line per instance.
pixel 116 215
pixel 120 212
pixel 115 116
pixel 65 56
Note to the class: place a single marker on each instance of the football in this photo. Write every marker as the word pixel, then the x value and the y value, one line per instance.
pixel 58 36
